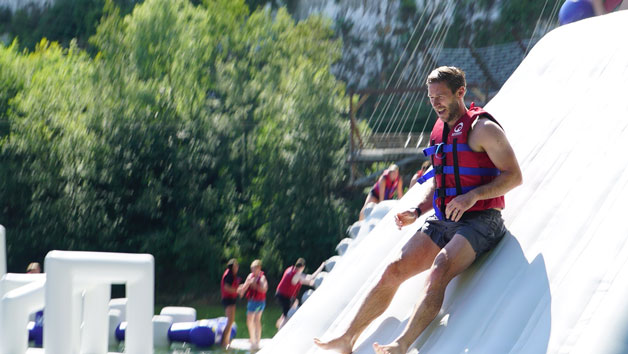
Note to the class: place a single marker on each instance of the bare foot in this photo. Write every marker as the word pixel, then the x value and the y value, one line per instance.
pixel 392 348
pixel 254 347
pixel 341 344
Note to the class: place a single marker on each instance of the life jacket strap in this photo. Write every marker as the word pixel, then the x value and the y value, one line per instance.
pixel 445 192
pixel 449 170
pixel 443 148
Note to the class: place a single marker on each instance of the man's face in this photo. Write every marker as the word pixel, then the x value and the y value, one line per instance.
pixel 446 104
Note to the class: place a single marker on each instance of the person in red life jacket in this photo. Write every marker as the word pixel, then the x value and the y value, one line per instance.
pixel 424 167
pixel 289 286
pixel 474 165
pixel 229 293
pixel 602 7
pixel 385 188
pixel 254 289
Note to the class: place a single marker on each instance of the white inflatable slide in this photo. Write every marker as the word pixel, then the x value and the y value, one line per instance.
pixel 558 282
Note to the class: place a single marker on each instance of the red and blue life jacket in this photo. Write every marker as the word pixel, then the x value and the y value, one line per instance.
pixel 256 295
pixel 456 167
pixel 389 185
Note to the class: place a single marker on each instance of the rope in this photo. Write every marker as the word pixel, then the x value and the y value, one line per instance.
pixel 417 74
pixel 383 114
pixel 398 62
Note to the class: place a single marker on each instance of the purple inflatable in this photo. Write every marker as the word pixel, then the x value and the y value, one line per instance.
pixel 575 10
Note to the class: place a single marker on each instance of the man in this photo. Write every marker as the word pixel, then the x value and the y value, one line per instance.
pixel 289 287
pixel 474 166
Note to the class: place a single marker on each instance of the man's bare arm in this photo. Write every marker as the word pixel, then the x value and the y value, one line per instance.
pixel 409 216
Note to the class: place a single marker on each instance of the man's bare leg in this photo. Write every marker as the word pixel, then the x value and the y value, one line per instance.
pixel 416 256
pixel 452 260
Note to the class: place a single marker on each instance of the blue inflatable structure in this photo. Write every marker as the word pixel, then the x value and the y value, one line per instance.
pixel 36 329
pixel 201 333
pixel 575 10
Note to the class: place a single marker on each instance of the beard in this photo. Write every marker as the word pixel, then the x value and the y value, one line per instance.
pixel 454 113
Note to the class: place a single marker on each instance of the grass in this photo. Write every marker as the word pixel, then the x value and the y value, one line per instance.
pixel 269 317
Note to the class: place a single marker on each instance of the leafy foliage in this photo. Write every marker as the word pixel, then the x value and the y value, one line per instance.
pixel 64 21
pixel 195 133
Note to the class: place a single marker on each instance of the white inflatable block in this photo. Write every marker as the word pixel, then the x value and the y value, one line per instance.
pixel 33 315
pixel 12 281
pixel 368 209
pixel 354 229
pixel 179 313
pixel 82 280
pixel 330 263
pixel 114 321
pixel 161 325
pixel 343 246
pixel 319 279
pixel 306 295
pixel 292 311
pixel 382 208
pixel 15 306
pixel 120 305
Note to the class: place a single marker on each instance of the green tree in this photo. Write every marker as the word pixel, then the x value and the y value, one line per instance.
pixel 195 133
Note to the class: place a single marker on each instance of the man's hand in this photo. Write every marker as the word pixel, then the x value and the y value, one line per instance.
pixel 457 206
pixel 405 218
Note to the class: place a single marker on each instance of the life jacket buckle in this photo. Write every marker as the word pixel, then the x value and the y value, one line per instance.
pixel 440 151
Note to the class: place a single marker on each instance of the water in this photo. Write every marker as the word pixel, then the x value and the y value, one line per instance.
pixel 184 348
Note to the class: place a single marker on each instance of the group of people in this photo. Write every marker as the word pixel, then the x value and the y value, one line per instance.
pixel 254 289
pixel 474 166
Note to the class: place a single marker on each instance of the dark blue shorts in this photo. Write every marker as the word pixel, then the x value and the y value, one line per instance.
pixel 285 302
pixel 228 302
pixel 483 229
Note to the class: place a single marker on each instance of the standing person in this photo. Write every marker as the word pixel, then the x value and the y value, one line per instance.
pixel 474 167
pixel 254 288
pixel 385 187
pixel 424 167
pixel 289 287
pixel 229 294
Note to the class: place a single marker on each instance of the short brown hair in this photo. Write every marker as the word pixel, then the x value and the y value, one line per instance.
pixel 452 76
pixel 300 263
